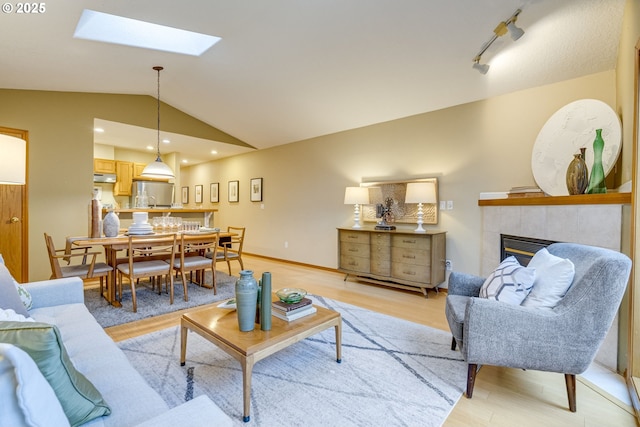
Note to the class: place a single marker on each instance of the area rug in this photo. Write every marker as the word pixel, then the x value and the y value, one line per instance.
pixel 151 304
pixel 393 373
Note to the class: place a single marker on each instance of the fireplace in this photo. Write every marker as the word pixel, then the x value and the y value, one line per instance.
pixel 595 225
pixel 523 248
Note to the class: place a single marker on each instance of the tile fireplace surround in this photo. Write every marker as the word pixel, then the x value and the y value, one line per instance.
pixel 594 220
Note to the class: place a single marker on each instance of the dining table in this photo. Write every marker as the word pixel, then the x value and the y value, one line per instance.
pixel 112 245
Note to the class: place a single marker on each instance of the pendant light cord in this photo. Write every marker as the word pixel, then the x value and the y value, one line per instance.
pixel 158 69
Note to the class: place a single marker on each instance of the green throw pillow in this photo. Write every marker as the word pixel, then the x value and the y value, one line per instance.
pixel 80 400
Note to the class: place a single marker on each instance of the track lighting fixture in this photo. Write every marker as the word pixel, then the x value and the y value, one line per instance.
pixel 482 68
pixel 500 30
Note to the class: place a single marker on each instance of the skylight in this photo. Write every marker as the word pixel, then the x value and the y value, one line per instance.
pixel 107 28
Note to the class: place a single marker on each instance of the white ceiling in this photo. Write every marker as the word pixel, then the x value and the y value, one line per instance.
pixel 288 70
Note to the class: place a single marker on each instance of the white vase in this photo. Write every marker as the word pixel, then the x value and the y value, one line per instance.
pixel 111 224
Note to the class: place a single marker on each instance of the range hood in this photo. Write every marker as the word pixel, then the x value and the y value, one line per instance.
pixel 104 177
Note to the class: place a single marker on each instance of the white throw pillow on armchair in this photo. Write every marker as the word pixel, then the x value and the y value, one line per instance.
pixel 554 276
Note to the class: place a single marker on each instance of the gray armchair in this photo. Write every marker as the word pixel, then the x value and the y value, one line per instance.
pixel 564 339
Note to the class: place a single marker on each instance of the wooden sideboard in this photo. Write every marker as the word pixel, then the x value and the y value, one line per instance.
pixel 398 258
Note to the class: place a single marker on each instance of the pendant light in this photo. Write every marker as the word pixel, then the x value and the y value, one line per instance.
pixel 158 169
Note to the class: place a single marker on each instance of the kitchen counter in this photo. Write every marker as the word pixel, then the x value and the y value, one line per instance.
pixel 163 210
pixel 200 215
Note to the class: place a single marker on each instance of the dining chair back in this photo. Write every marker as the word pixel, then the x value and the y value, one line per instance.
pixel 80 263
pixel 148 256
pixel 232 249
pixel 192 258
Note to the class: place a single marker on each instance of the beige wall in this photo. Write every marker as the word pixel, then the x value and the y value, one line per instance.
pixel 60 126
pixel 481 146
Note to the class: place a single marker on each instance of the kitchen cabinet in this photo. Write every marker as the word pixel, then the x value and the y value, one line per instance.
pixel 396 258
pixel 124 178
pixel 104 166
pixel 137 170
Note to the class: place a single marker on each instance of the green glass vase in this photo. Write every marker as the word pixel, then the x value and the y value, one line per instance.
pixel 596 179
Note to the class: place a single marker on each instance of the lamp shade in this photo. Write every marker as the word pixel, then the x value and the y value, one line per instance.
pixel 13 160
pixel 420 192
pixel 157 169
pixel 356 196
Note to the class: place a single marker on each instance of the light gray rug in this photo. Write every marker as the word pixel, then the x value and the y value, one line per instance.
pixel 152 304
pixel 393 373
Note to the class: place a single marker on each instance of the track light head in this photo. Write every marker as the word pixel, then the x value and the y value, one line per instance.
pixel 514 31
pixel 482 68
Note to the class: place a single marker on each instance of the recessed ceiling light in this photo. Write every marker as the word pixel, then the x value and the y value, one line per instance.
pixel 185 161
pixel 107 28
pixel 214 152
pixel 99 130
pixel 166 141
pixel 150 147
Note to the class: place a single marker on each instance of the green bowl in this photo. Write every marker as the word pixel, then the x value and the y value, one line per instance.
pixel 291 295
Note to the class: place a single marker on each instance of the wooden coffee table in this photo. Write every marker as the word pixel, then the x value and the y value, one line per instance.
pixel 220 326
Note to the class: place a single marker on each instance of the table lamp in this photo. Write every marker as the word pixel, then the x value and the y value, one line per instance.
pixel 420 192
pixel 356 196
pixel 13 162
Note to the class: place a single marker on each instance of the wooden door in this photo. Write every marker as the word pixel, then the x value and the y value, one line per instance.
pixel 14 236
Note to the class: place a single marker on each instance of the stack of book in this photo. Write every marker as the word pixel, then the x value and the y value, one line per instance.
pixel 294 311
pixel 526 191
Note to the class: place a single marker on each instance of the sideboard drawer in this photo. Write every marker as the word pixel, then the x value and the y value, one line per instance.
pixel 354 236
pixel 355 249
pixel 412 272
pixel 354 263
pixel 411 241
pixel 408 256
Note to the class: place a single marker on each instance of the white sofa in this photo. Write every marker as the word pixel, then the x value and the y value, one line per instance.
pixel 132 401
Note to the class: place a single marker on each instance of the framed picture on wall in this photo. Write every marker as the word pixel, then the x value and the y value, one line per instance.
pixel 185 195
pixel 256 190
pixel 233 191
pixel 198 193
pixel 213 193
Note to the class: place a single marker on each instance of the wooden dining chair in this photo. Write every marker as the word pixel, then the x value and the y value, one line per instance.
pixel 80 263
pixel 148 256
pixel 232 249
pixel 192 258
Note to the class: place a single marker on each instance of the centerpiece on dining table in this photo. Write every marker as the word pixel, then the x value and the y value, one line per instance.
pixel 140 225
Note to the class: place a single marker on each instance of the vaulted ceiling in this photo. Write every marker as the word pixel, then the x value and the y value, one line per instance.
pixel 288 70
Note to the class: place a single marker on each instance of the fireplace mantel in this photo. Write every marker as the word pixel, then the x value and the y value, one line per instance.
pixel 582 199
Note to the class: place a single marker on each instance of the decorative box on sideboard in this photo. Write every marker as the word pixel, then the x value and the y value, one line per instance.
pixel 397 258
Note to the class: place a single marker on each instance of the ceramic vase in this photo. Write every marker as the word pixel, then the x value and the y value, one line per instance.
pixel 246 300
pixel 111 224
pixel 596 180
pixel 265 309
pixel 577 174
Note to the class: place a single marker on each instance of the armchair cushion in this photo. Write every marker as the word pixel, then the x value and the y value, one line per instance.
pixel 510 282
pixel 554 276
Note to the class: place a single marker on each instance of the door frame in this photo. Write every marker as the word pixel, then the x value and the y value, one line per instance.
pixel 23 134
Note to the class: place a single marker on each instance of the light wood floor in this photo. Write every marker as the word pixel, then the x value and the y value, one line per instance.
pixel 502 396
